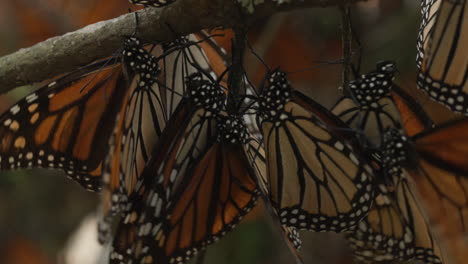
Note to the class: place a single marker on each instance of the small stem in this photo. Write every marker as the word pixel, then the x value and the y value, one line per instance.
pixel 346 39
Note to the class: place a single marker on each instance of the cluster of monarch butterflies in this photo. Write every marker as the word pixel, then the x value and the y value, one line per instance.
pixel 159 132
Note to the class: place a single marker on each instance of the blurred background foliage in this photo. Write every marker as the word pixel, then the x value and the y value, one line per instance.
pixel 41 209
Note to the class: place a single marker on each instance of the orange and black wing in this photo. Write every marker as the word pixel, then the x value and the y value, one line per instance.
pixel 368 106
pixel 189 133
pixel 144 113
pixel 218 191
pixel 440 177
pixel 318 180
pixel 140 121
pixel 413 118
pixel 66 124
pixel 395 229
pixel 186 56
pixel 443 39
pixel 205 202
pixel 256 155
pixel 429 10
pixel 217 194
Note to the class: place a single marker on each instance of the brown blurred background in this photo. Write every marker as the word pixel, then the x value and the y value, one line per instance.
pixel 41 209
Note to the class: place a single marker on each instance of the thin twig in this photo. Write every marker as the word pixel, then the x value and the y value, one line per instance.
pixel 346 39
pixel 65 53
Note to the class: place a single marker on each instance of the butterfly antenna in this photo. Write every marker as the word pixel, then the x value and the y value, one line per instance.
pixel 249 45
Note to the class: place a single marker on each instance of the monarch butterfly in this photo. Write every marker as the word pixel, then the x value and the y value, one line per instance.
pixel 256 155
pixel 442 57
pixel 395 229
pixel 375 103
pixel 144 114
pixel 436 174
pixel 66 123
pixel 203 184
pixel 317 180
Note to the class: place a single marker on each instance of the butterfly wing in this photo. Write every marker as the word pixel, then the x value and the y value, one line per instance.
pixel 413 118
pixel 439 176
pixel 186 56
pixel 147 107
pixel 66 124
pixel 369 107
pixel 444 61
pixel 256 156
pixel 429 10
pixel 372 120
pixel 219 192
pixel 140 121
pixel 317 182
pixel 395 229
pixel 207 201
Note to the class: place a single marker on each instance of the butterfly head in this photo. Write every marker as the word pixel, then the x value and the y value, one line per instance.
pixel 231 129
pixel 205 94
pixel 275 94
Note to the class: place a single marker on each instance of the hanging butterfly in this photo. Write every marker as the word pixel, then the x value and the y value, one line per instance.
pixel 442 58
pixel 317 179
pixel 395 229
pixel 66 124
pixel 197 186
pixel 373 104
pixel 144 114
pixel 438 168
pixel 436 171
pixel 256 155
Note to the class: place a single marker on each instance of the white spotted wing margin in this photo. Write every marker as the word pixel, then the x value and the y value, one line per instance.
pixel 139 124
pixel 65 124
pixel 256 155
pixel 318 180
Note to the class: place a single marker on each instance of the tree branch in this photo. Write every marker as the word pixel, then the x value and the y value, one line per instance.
pixel 65 53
